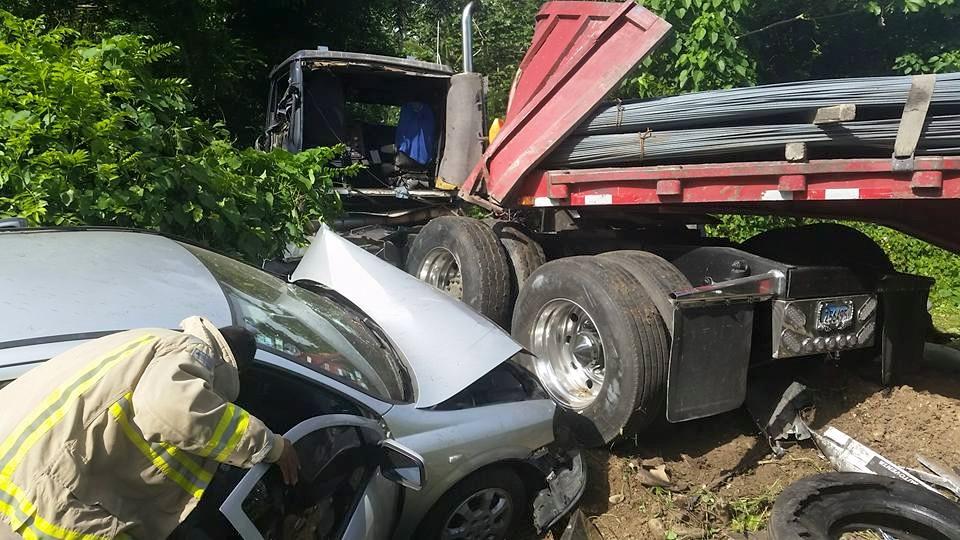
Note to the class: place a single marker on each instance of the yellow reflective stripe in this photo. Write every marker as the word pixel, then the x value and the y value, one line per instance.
pixel 184 459
pixel 117 411
pixel 25 512
pixel 218 431
pixel 235 436
pixel 55 406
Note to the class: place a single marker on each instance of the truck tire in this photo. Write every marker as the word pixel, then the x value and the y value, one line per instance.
pixel 658 277
pixel 462 257
pixel 523 253
pixel 601 345
pixel 824 506
pixel 821 244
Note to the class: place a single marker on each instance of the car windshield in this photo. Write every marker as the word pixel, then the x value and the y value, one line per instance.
pixel 314 330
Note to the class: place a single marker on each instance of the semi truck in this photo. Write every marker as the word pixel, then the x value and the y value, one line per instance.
pixel 635 316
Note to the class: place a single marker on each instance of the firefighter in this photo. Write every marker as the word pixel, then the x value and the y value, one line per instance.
pixel 120 436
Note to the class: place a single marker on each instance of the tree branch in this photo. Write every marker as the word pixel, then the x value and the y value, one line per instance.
pixel 800 17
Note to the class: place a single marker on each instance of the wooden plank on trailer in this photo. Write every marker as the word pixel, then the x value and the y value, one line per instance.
pixel 835 114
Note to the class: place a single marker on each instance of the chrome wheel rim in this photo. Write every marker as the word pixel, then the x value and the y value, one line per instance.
pixel 441 268
pixel 569 353
pixel 485 515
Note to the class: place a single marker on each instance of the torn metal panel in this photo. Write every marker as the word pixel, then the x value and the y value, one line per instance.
pixel 415 315
pixel 849 455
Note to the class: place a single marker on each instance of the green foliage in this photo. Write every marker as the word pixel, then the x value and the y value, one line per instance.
pixel 502 32
pixel 226 48
pixel 88 136
pixel 706 52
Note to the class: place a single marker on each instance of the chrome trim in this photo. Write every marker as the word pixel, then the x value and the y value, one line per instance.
pixel 466 26
pixel 758 288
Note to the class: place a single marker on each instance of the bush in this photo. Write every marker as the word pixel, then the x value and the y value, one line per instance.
pixel 89 137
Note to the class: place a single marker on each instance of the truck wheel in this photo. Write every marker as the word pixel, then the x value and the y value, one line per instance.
pixel 523 253
pixel 658 277
pixel 462 257
pixel 827 505
pixel 600 343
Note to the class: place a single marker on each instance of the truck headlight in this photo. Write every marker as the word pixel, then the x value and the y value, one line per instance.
pixel 866 333
pixel 867 309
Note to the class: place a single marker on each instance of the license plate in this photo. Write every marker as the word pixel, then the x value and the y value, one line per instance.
pixel 833 316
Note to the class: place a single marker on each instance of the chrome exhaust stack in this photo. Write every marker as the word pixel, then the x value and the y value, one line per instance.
pixel 466 24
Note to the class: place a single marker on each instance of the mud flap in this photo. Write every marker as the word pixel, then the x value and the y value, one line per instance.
pixel 903 300
pixel 709 358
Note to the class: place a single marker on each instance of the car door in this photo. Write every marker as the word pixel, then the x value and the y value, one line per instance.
pixel 348 485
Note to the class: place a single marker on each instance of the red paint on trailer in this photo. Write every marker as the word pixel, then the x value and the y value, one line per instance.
pixel 582 50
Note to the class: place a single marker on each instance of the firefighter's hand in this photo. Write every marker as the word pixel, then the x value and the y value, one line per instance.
pixel 289 463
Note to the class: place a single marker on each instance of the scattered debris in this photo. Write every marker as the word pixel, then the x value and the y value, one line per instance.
pixel 655 476
pixel 722 462
pixel 847 454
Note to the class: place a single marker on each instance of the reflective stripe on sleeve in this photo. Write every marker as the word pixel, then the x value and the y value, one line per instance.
pixel 171 462
pixel 230 428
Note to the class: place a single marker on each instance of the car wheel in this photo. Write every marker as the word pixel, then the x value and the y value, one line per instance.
pixel 462 257
pixel 826 506
pixel 487 505
pixel 600 344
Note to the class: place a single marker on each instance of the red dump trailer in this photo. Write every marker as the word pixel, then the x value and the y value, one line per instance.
pixel 634 314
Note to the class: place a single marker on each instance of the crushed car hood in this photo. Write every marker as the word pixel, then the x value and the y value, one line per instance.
pixel 446 344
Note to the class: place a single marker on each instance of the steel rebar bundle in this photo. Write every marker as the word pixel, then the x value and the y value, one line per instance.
pixel 704 109
pixel 941 136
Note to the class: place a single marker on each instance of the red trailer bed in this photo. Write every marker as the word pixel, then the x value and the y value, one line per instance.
pixel 580 52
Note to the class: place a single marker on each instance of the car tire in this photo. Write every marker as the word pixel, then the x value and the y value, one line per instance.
pixel 463 257
pixel 524 254
pixel 500 484
pixel 589 308
pixel 824 506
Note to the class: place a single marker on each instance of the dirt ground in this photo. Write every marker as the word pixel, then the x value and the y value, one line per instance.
pixel 723 478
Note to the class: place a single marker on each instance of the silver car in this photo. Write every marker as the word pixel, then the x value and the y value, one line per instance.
pixel 355 357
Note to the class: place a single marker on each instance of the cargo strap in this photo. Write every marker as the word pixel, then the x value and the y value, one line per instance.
pixel 913 120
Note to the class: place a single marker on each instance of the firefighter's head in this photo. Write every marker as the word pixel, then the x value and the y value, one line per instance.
pixel 242 344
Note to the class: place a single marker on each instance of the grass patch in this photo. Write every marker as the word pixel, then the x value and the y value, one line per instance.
pixel 750 514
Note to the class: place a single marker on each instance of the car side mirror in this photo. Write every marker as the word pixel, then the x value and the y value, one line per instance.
pixel 402 465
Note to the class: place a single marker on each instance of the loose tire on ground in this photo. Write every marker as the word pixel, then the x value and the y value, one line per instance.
pixel 585 312
pixel 463 257
pixel 497 481
pixel 824 506
pixel 524 254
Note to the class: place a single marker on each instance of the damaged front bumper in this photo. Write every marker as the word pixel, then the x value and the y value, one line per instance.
pixel 566 479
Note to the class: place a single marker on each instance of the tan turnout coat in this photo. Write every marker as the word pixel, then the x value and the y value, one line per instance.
pixel 120 436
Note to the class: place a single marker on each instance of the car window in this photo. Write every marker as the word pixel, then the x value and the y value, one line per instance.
pixel 335 466
pixel 308 328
